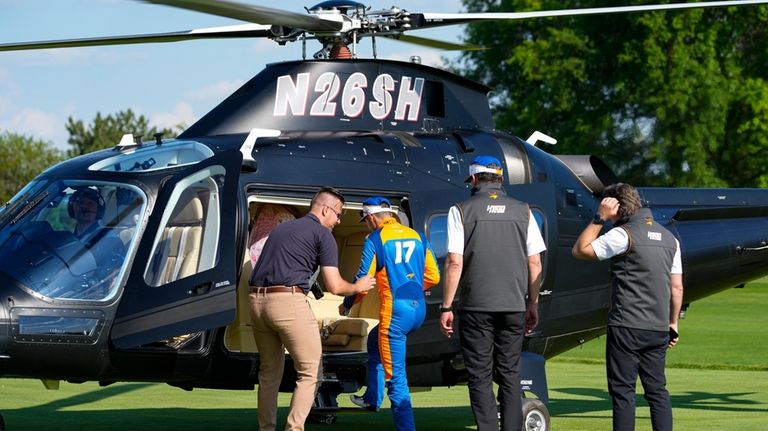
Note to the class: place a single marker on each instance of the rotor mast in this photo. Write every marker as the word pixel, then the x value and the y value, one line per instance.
pixel 336 45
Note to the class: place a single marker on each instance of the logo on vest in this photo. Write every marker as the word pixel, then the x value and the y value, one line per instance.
pixel 496 209
pixel 656 236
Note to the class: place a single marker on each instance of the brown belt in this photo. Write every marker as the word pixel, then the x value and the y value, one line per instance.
pixel 276 289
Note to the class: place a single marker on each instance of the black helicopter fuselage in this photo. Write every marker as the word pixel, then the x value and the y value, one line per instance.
pixel 400 130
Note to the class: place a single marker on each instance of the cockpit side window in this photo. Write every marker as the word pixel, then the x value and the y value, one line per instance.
pixel 187 241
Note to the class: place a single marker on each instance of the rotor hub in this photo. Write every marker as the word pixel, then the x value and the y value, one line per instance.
pixel 341 6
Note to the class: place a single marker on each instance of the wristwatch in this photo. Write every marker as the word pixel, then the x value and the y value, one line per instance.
pixel 445 309
pixel 597 220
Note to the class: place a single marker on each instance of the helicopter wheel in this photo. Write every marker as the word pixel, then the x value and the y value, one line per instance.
pixel 315 418
pixel 535 415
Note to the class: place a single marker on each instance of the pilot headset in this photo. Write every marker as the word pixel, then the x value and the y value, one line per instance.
pixel 87 193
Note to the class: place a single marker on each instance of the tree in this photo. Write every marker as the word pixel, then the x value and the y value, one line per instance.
pixel 105 132
pixel 21 159
pixel 666 98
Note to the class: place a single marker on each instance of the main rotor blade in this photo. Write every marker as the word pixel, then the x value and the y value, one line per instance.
pixel 253 13
pixel 437 44
pixel 233 31
pixel 442 19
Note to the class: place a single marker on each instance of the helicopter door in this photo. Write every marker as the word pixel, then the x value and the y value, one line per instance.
pixel 185 274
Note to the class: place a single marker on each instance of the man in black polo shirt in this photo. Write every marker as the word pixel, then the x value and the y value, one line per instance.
pixel 646 295
pixel 280 314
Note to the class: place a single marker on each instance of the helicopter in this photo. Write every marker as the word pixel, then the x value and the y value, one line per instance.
pixel 167 302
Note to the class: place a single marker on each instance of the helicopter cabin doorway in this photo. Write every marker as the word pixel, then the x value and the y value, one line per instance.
pixel 338 333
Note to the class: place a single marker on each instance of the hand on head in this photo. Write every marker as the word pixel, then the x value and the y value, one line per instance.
pixel 609 208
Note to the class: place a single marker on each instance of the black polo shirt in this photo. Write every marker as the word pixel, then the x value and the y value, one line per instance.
pixel 293 252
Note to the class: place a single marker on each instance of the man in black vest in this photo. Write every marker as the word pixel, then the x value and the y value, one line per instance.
pixel 493 254
pixel 646 295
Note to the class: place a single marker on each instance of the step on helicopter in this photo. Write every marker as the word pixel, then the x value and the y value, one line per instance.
pixel 159 293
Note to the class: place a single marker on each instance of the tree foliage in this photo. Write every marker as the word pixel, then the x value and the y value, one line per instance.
pixel 675 98
pixel 21 159
pixel 105 132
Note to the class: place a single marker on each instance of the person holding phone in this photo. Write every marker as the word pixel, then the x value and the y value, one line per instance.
pixel 646 296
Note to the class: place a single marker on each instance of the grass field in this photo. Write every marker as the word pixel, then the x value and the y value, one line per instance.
pixel 717 376
pixel 727 331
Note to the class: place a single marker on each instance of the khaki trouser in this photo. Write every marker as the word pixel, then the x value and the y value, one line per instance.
pixel 285 320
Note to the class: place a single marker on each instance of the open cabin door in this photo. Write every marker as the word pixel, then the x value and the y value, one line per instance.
pixel 184 276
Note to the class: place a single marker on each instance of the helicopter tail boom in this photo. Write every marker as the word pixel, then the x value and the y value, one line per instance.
pixel 723 235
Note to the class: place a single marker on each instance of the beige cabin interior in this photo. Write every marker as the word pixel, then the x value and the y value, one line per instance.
pixel 338 333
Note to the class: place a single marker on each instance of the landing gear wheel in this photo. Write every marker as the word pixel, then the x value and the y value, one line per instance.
pixel 325 406
pixel 535 415
pixel 317 418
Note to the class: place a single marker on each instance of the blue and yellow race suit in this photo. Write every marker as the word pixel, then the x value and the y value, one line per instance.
pixel 404 266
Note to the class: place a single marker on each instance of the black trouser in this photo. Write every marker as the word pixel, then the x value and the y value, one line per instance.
pixel 488 341
pixel 627 352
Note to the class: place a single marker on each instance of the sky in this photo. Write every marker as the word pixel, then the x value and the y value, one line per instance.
pixel 169 83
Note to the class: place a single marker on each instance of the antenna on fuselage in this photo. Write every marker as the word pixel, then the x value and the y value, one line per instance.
pixel 247 148
pixel 126 141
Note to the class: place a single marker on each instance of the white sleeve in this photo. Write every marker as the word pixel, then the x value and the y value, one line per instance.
pixel 455 228
pixel 677 261
pixel 613 243
pixel 534 243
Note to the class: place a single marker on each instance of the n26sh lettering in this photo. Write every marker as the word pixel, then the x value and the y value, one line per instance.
pixel 328 96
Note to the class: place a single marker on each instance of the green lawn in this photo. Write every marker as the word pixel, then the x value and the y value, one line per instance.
pixel 718 379
pixel 728 330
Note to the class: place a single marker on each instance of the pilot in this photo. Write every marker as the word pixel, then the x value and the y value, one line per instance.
pixel 646 295
pixel 404 266
pixel 493 253
pixel 280 314
pixel 87 207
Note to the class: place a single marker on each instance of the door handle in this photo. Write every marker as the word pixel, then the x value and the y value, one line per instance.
pixel 201 289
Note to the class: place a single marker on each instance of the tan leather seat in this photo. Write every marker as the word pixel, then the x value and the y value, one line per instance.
pixel 347 333
pixel 178 253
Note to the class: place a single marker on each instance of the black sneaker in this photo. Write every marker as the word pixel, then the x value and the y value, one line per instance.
pixel 360 402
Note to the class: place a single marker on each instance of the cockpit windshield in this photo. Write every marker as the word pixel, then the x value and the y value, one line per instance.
pixel 20 200
pixel 68 239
